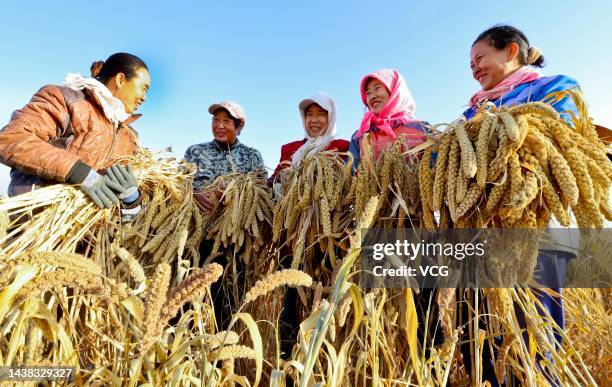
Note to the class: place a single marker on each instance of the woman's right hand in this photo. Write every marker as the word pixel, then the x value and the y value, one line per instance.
pixel 208 199
pixel 205 200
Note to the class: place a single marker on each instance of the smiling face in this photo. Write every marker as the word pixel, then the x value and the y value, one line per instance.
pixel 132 92
pixel 376 95
pixel 316 120
pixel 224 126
pixel 491 66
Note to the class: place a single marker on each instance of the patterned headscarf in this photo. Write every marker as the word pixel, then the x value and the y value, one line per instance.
pixel 400 106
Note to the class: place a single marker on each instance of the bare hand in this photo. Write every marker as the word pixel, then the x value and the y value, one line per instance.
pixel 204 201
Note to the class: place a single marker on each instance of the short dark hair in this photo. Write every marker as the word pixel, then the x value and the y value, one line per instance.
pixel 501 35
pixel 120 62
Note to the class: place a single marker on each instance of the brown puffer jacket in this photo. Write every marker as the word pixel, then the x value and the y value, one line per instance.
pixel 58 132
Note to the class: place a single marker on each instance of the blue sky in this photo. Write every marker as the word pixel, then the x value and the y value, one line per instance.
pixel 269 55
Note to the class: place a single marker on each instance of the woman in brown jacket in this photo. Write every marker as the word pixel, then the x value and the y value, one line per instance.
pixel 71 132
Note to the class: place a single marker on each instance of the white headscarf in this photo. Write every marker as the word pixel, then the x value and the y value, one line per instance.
pixel 112 106
pixel 316 144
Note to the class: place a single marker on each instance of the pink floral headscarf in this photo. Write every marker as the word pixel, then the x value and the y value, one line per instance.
pixel 399 107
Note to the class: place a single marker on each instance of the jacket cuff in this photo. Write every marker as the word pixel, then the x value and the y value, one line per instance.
pixel 130 196
pixel 78 173
pixel 133 204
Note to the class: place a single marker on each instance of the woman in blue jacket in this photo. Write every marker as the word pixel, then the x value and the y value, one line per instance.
pixel 504 64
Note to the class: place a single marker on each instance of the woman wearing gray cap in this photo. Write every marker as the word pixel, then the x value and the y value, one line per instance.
pixel 224 154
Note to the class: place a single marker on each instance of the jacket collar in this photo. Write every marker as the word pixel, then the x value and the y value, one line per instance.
pixel 94 97
pixel 222 146
pixel 132 118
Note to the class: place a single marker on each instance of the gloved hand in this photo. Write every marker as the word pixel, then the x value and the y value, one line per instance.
pixel 124 176
pixel 100 189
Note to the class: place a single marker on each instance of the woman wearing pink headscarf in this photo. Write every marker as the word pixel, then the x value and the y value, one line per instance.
pixel 390 114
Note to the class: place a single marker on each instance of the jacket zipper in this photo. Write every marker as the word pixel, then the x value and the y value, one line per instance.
pixel 115 130
pixel 112 148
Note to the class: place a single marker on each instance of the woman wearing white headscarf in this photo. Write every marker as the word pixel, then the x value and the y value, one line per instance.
pixel 319 120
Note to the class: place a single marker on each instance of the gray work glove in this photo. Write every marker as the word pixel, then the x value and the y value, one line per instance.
pixel 100 189
pixel 124 176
